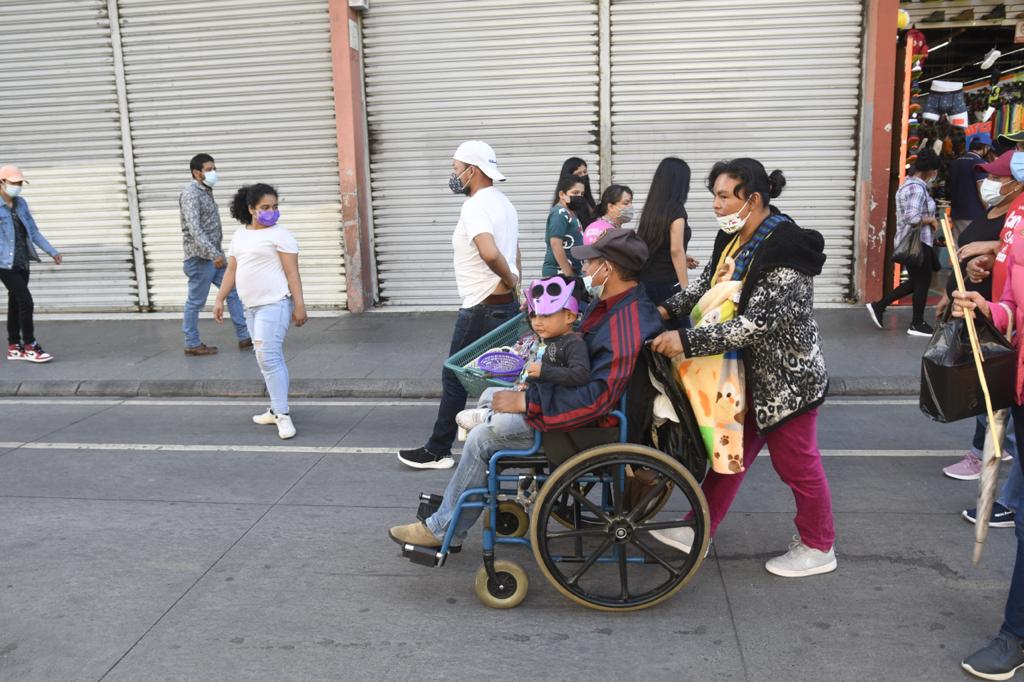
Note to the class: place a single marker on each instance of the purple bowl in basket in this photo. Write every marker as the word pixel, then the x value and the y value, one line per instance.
pixel 501 365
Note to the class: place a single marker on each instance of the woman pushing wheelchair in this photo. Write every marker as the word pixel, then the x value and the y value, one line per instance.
pixel 774 327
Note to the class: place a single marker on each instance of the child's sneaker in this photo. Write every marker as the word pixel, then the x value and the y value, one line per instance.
pixel 34 353
pixel 15 351
pixel 470 419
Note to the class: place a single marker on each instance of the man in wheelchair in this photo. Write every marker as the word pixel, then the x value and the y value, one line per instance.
pixel 614 327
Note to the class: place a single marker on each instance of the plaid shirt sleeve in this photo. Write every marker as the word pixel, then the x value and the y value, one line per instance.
pixel 915 203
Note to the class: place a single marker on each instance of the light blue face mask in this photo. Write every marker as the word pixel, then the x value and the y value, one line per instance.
pixel 595 290
pixel 1017 166
pixel 210 178
pixel 12 190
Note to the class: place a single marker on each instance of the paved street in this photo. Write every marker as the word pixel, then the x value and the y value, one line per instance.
pixel 176 540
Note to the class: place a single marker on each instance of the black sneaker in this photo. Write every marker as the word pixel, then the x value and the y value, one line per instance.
pixel 1001 517
pixel 421 458
pixel 876 314
pixel 921 329
pixel 1000 658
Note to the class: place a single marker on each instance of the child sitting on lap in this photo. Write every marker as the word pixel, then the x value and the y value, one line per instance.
pixel 561 357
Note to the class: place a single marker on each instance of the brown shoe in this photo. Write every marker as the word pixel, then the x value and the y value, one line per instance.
pixel 201 349
pixel 245 344
pixel 414 534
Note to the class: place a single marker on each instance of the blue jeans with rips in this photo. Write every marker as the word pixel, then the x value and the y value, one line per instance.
pixel 268 325
pixel 201 274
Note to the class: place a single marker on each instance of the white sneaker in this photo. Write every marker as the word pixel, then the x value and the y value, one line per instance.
pixel 265 419
pixel 470 419
pixel 678 538
pixel 801 561
pixel 285 428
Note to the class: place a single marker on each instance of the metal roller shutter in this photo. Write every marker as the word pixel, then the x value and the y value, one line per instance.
pixel 773 79
pixel 61 127
pixel 519 74
pixel 248 81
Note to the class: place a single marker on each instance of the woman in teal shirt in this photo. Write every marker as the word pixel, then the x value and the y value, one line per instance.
pixel 564 230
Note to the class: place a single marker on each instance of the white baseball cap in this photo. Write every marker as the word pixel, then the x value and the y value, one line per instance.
pixel 478 153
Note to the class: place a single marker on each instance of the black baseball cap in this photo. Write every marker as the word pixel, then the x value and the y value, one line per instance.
pixel 621 246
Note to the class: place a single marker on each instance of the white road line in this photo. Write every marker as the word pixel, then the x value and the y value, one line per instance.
pixel 143 402
pixel 346 450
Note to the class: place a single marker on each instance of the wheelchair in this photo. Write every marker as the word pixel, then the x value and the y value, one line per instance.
pixel 584 502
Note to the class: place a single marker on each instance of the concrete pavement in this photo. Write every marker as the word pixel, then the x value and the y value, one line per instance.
pixel 378 354
pixel 173 539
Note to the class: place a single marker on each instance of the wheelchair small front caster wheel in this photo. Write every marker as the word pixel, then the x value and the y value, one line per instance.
pixel 508 591
pixel 513 521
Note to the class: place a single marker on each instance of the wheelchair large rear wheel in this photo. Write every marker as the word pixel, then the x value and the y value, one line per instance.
pixel 611 562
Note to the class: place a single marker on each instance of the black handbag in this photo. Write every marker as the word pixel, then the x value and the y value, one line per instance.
pixel 950 389
pixel 909 251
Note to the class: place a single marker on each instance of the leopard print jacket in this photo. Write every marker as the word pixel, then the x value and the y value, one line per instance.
pixel 778 338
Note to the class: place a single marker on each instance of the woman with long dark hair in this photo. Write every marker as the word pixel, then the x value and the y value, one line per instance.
pixel 574 165
pixel 563 229
pixel 781 353
pixel 663 227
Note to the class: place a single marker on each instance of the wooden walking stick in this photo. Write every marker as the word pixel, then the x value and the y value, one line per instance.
pixel 992 455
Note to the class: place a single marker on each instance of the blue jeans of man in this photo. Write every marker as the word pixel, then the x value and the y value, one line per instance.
pixel 268 325
pixel 1013 486
pixel 1013 619
pixel 471 472
pixel 470 325
pixel 201 274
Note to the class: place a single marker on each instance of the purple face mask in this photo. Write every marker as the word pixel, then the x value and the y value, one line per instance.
pixel 268 218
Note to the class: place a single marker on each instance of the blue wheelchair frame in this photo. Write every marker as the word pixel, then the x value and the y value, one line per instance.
pixel 487 499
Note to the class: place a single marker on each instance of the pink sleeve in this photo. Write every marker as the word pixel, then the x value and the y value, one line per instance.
pixel 1006 306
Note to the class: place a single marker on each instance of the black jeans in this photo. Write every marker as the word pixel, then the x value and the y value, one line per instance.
pixel 919 279
pixel 20 307
pixel 470 325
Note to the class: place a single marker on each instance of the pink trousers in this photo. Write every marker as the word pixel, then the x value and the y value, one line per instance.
pixel 797 460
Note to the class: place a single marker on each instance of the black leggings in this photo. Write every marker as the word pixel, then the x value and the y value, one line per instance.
pixel 19 306
pixel 919 280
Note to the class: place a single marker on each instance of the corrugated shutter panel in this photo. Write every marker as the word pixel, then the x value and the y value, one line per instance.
pixel 777 80
pixel 249 82
pixel 61 127
pixel 519 74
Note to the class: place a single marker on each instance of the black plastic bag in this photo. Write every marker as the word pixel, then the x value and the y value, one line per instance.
pixel 909 251
pixel 950 389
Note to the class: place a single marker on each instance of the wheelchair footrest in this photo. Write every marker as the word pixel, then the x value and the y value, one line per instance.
pixel 424 556
pixel 428 505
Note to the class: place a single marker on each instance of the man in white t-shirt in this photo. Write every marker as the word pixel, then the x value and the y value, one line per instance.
pixel 487 267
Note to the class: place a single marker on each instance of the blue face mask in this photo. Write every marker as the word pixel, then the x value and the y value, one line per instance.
pixel 595 290
pixel 210 178
pixel 1017 166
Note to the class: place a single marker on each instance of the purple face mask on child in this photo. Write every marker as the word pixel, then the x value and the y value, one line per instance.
pixel 268 218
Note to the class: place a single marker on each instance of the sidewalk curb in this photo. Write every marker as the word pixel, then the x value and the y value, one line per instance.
pixel 345 388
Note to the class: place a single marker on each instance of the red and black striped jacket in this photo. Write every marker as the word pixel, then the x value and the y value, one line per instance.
pixel 614 331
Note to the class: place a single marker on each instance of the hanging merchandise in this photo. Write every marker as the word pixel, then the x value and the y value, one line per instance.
pixel 946 97
pixel 918 48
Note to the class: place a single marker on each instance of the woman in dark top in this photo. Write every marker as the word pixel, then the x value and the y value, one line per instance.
pixel 574 165
pixel 663 226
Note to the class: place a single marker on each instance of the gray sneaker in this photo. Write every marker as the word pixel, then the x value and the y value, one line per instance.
pixel 801 561
pixel 999 659
pixel 678 538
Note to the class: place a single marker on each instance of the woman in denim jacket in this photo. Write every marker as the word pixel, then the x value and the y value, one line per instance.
pixel 19 237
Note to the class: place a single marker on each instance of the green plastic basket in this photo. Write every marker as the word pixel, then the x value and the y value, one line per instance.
pixel 476 380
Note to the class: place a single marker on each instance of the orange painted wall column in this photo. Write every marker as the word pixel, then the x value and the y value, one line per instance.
pixel 876 145
pixel 350 114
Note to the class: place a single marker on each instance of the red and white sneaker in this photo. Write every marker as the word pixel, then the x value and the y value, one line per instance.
pixel 15 351
pixel 34 353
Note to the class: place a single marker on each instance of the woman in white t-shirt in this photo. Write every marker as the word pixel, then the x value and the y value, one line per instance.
pixel 263 263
